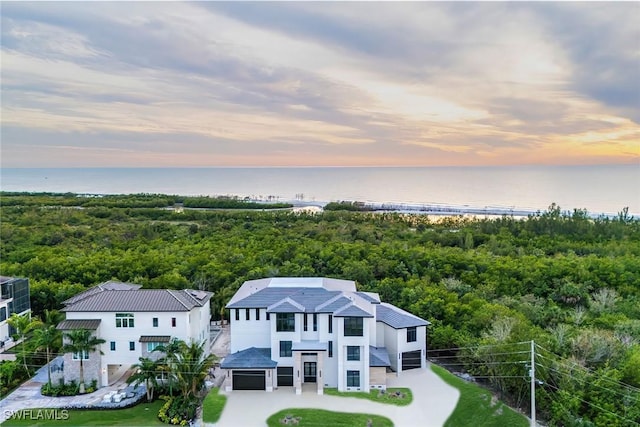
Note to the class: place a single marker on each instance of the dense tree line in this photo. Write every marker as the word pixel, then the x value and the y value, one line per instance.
pixel 563 279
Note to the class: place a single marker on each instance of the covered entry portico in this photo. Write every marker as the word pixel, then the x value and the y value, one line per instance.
pixel 308 363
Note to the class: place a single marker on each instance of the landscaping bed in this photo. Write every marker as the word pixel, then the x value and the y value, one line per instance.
pixel 393 396
pixel 321 418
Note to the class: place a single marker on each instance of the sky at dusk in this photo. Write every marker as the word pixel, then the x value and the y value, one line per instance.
pixel 89 84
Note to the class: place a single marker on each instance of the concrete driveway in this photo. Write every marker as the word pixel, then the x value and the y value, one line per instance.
pixel 433 402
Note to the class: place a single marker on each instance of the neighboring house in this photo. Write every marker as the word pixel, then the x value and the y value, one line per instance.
pixel 14 298
pixel 133 322
pixel 290 331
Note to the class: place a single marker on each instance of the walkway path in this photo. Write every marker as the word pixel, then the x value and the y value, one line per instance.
pixel 28 396
pixel 433 402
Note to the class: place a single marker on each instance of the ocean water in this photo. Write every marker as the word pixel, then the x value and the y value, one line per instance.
pixel 603 189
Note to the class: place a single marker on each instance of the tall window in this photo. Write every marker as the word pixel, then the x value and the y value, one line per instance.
pixel 257 314
pixel 155 322
pixel 124 320
pixel 237 314
pixel 305 327
pixel 285 322
pixel 247 314
pixel 330 348
pixel 85 355
pixel 152 346
pixel 132 345
pixel 353 378
pixel 412 336
pixel 353 352
pixel 330 323
pixel 112 346
pixel 173 322
pixel 285 349
pixel 315 322
pixel 268 316
pixel 353 327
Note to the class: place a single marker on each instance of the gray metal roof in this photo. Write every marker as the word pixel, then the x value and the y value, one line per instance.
pixel 309 298
pixel 396 317
pixel 378 356
pixel 284 307
pixel 155 338
pixel 106 286
pixel 309 346
pixel 250 358
pixel 335 305
pixel 89 324
pixel 352 311
pixel 369 296
pixel 138 300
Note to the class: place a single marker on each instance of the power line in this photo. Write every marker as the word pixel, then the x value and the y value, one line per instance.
pixel 594 405
pixel 575 365
pixel 586 381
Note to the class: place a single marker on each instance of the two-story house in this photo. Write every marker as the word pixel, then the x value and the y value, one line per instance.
pixel 133 322
pixel 14 298
pixel 289 331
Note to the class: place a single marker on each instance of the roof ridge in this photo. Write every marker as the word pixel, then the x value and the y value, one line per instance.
pixel 329 301
pixel 178 299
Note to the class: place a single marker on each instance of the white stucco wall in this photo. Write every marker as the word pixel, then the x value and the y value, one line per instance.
pixel 252 332
pixel 344 365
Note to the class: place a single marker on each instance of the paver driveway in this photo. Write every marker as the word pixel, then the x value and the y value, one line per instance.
pixel 433 402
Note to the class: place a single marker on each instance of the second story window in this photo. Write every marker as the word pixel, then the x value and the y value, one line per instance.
pixel 268 316
pixel 305 327
pixel 257 314
pixel 330 348
pixel 315 322
pixel 237 314
pixel 330 324
pixel 247 314
pixel 285 349
pixel 353 327
pixel 173 322
pixel 155 322
pixel 411 334
pixel 285 322
pixel 353 352
pixel 124 320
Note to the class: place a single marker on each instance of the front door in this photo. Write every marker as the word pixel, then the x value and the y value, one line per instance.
pixel 309 372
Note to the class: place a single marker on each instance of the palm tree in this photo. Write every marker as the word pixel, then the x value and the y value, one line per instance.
pixel 191 367
pixel 170 351
pixel 52 317
pixel 47 337
pixel 146 373
pixel 23 325
pixel 81 341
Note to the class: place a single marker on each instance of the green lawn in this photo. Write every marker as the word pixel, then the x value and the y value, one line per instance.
pixel 322 418
pixel 144 414
pixel 213 405
pixel 375 395
pixel 475 406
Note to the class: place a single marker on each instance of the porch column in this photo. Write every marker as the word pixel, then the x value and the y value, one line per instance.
pixel 297 371
pixel 319 373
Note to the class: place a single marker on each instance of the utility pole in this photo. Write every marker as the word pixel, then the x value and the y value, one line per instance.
pixel 532 373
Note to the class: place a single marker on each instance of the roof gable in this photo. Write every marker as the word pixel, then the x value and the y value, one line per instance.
pixel 396 317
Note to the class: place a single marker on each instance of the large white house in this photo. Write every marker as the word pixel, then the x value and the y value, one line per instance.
pixel 289 331
pixel 133 322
